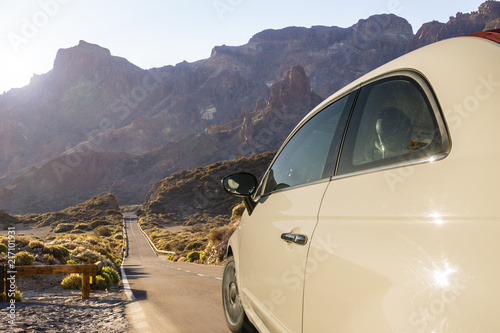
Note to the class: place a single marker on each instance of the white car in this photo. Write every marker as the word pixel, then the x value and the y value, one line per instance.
pixel 381 211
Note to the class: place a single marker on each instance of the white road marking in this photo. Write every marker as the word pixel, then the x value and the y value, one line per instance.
pixel 134 310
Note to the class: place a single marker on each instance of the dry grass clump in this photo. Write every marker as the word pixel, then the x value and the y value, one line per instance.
pixel 36 244
pixel 24 258
pixel 63 247
pixel 103 230
pixel 72 281
pixel 202 242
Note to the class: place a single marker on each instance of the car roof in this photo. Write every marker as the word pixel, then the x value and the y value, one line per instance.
pixel 467 47
pixel 455 68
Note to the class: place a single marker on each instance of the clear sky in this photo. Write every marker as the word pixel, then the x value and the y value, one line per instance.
pixel 155 33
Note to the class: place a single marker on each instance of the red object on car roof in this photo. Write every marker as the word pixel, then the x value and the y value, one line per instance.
pixel 493 35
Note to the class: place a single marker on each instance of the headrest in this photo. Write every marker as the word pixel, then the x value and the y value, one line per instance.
pixel 394 129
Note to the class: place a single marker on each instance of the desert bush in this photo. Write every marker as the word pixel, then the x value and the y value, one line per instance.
pixel 91 239
pixel 70 246
pixel 54 251
pixel 23 258
pixel 100 282
pixel 238 212
pixel 102 231
pixel 7 226
pixel 36 244
pixel 194 246
pixel 82 226
pixel 115 277
pixel 63 227
pixel 89 256
pixel 72 281
pixel 17 295
pixel 107 278
pixel 217 234
pixel 64 250
pixel 195 256
pixel 22 241
pixel 97 223
pixel 105 251
pixel 71 262
pixel 49 258
pixel 3 248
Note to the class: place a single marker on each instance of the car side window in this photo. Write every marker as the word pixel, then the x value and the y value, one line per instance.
pixel 393 121
pixel 305 155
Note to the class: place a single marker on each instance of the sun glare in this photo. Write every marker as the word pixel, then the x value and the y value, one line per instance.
pixel 442 275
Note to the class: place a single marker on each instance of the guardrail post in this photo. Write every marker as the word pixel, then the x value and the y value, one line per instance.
pixel 10 285
pixel 85 285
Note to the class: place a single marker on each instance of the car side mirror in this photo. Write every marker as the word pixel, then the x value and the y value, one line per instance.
pixel 241 184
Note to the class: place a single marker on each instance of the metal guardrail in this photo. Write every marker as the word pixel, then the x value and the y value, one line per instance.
pixel 153 246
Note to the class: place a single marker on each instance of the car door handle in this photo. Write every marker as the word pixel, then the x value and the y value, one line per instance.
pixel 294 238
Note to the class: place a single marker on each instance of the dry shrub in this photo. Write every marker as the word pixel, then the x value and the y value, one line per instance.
pixel 102 231
pixel 72 281
pixel 63 227
pixel 24 258
pixel 36 244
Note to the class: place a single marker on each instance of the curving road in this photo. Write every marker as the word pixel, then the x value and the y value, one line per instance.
pixel 170 297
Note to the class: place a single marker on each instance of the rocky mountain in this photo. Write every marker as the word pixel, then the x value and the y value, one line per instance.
pixel 97 123
pixel 181 197
pixel 486 18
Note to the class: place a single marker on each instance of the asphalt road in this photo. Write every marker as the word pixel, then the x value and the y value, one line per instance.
pixel 170 297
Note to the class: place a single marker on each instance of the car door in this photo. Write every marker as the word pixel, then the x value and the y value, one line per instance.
pixel 377 268
pixel 275 238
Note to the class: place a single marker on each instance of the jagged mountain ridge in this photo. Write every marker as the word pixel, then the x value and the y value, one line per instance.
pixel 111 105
pixel 130 176
pixel 152 123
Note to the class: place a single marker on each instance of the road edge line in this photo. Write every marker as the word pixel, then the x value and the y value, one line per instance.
pixel 126 285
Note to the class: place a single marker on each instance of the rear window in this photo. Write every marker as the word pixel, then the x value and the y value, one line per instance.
pixel 393 121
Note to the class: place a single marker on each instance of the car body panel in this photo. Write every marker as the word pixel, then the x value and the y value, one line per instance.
pixel 272 270
pixel 402 267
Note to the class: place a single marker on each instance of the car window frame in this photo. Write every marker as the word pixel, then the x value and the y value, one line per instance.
pixel 400 161
pixel 334 150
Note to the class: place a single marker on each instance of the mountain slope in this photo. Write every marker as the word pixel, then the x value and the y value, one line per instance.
pixel 130 176
pixel 97 123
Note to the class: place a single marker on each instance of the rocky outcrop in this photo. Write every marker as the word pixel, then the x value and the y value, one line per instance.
pixel 7 219
pixel 486 18
pixel 295 88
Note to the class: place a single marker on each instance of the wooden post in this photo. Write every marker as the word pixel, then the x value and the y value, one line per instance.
pixel 85 285
pixel 10 285
pixel 2 279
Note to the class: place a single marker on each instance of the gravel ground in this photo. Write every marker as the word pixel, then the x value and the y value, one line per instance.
pixel 46 307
